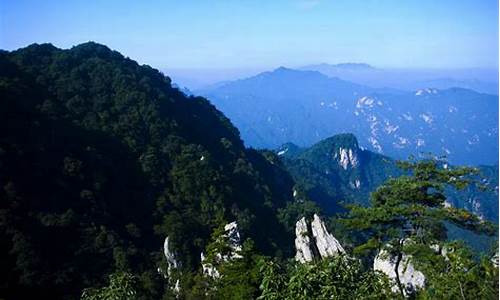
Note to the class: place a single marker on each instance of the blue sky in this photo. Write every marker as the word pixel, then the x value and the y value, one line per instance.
pixel 261 34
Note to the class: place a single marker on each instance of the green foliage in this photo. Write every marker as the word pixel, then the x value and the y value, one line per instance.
pixel 101 159
pixel 408 213
pixel 317 172
pixel 318 175
pixel 456 274
pixel 239 275
pixel 289 215
pixel 333 278
pixel 413 206
pixel 121 286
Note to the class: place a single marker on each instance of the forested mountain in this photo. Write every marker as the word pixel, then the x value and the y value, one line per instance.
pixel 101 159
pixel 304 107
pixel 336 170
pixel 116 185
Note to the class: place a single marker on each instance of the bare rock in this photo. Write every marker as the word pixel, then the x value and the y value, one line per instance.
pixel 410 278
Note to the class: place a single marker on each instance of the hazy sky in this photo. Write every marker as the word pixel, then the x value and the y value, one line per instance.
pixel 255 34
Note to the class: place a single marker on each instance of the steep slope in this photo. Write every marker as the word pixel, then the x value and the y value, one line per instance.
pixel 101 159
pixel 304 107
pixel 273 108
pixel 336 170
pixel 482 199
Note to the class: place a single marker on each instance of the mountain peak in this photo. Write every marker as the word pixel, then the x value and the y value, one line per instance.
pixel 282 69
pixel 344 140
pixel 349 66
pixel 340 151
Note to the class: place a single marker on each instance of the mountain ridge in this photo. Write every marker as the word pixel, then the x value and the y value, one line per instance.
pixel 296 106
pixel 101 159
pixel 349 177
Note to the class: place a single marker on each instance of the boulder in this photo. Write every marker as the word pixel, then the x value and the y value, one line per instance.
pixel 302 242
pixel 313 241
pixel 410 278
pixel 326 243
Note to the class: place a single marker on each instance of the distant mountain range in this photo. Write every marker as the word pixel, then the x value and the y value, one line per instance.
pixel 304 107
pixel 480 80
pixel 329 68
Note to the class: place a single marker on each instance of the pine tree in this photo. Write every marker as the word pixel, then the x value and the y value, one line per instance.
pixel 408 214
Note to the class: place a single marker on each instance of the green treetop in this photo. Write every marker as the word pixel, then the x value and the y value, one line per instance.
pixel 409 212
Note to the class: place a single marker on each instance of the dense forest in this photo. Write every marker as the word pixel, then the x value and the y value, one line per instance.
pixel 102 159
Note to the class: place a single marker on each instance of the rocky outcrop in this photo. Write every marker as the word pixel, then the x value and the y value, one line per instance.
pixel 410 278
pixel 356 184
pixel 302 242
pixel 234 239
pixel 326 243
pixel 494 259
pixel 234 242
pixel 347 157
pixel 208 268
pixel 313 241
pixel 170 257
pixel 172 264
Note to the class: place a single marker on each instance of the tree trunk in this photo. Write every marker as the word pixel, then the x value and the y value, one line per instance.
pixel 396 269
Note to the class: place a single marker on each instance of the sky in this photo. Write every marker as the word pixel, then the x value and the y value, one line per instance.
pixel 263 34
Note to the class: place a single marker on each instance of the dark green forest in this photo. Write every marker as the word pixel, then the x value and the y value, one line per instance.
pixel 102 158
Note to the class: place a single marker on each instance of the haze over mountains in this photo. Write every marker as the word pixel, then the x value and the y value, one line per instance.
pixel 480 80
pixel 303 107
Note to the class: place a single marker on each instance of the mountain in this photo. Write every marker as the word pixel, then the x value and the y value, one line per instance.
pixel 109 173
pixel 101 160
pixel 482 199
pixel 336 171
pixel 480 80
pixel 304 107
pixel 329 69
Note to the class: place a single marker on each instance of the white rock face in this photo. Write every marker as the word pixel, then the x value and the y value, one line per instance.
pixel 426 91
pixel 347 158
pixel 170 256
pixel 208 268
pixel 177 287
pixel 234 240
pixel 410 278
pixel 172 264
pixel 365 102
pixel 326 243
pixel 318 243
pixel 427 117
pixel 356 184
pixel 302 242
pixel 494 259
